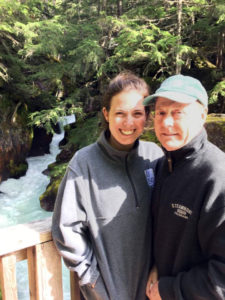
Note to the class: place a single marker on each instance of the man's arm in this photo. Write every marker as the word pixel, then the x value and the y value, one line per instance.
pixel 206 280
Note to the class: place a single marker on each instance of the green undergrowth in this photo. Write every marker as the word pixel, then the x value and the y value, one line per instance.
pixel 149 136
pixel 149 133
pixel 216 118
pixel 215 126
pixel 86 132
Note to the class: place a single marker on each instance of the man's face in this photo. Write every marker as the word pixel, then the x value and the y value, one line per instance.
pixel 176 124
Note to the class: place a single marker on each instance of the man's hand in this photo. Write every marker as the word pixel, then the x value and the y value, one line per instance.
pixel 153 277
pixel 154 292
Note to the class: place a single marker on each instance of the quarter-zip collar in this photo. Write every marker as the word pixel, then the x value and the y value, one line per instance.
pixel 187 152
pixel 114 154
pixel 120 157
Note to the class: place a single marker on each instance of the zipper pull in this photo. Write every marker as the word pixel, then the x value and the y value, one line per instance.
pixel 170 163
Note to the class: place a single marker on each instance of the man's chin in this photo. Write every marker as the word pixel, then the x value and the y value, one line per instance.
pixel 171 146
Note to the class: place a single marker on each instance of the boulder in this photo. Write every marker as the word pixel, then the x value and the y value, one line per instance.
pixel 15 143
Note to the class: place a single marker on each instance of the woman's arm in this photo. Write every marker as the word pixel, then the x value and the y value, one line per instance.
pixel 70 230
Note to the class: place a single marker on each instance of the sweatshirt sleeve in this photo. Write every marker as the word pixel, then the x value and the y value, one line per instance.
pixel 206 280
pixel 70 230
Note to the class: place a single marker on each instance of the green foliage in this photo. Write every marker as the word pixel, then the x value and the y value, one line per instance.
pixel 87 56
pixel 218 90
pixel 86 132
pixel 146 45
pixel 57 170
pixel 149 135
pixel 49 117
pixel 52 52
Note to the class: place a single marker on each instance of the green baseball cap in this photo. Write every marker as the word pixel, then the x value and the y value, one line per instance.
pixel 180 88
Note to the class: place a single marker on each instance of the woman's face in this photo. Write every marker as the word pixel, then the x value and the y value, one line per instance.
pixel 126 119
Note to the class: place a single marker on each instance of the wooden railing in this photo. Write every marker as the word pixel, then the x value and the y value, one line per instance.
pixel 33 242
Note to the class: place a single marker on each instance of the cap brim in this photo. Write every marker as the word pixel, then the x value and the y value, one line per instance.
pixel 149 99
pixel 174 96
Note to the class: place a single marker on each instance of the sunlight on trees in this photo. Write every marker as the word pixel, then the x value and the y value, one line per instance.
pixel 52 52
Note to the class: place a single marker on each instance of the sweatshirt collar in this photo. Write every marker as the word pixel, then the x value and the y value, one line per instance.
pixel 188 151
pixel 113 153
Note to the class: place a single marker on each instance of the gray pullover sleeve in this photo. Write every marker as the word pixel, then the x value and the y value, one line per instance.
pixel 70 231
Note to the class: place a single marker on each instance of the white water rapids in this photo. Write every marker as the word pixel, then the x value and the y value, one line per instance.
pixel 19 203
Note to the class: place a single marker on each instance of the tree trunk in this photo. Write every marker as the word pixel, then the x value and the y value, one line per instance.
pixel 179 28
pixel 221 50
pixel 119 8
pixel 104 5
pixel 78 9
pixel 99 7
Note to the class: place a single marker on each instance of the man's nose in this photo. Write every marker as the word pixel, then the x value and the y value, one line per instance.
pixel 168 120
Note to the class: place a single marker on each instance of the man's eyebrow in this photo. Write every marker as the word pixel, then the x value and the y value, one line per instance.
pixel 139 108
pixel 160 106
pixel 175 106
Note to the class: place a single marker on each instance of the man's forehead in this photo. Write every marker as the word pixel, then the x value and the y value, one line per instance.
pixel 164 102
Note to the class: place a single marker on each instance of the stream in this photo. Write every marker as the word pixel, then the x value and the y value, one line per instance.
pixel 19 203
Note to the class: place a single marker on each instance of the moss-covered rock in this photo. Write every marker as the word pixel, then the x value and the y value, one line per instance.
pixel 15 143
pixel 215 127
pixel 17 169
pixel 47 199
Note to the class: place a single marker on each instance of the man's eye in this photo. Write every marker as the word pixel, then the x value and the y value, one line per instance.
pixel 159 113
pixel 178 113
pixel 138 113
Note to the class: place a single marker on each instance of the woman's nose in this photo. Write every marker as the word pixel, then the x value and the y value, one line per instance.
pixel 129 121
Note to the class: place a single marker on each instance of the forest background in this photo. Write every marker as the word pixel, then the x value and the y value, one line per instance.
pixel 56 58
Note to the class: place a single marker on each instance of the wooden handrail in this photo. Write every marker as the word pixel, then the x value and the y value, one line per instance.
pixel 33 241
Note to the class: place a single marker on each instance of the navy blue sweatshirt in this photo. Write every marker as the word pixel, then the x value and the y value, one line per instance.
pixel 189 222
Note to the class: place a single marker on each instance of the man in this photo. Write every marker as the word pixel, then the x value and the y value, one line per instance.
pixel 189 199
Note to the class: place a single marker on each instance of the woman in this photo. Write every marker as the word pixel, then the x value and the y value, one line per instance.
pixel 101 223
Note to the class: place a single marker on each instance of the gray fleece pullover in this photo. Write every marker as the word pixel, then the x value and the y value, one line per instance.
pixel 101 224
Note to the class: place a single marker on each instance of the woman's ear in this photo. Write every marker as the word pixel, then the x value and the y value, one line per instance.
pixel 105 114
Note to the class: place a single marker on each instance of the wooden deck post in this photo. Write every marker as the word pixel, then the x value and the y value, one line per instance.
pixel 74 286
pixel 8 277
pixel 33 242
pixel 47 267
